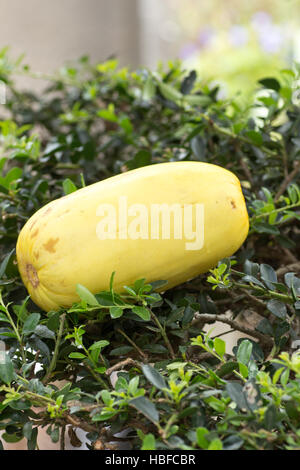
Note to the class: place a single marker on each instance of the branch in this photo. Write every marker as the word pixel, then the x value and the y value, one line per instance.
pixel 57 344
pixel 287 181
pixel 207 317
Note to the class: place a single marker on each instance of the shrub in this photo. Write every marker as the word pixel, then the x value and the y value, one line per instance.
pixel 178 386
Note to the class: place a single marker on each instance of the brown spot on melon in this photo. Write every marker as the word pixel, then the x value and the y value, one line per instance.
pixel 47 211
pixel 50 245
pixel 35 233
pixel 32 275
pixel 33 223
pixel 233 205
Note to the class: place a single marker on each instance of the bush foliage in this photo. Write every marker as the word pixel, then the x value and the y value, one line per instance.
pixel 178 386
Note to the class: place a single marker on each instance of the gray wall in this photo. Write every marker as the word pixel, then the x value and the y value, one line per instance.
pixel 51 32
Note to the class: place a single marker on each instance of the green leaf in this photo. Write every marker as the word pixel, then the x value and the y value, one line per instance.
pixel 149 442
pixel 220 347
pixel 68 186
pixel 141 158
pixel 271 83
pixel 216 444
pixel 116 312
pixel 232 442
pixel 6 369
pixel 268 274
pixel 154 377
pixel 55 434
pixel 86 295
pixel 169 92
pixel 265 327
pixel 146 407
pixel 198 147
pixel 5 262
pixel 77 355
pixel 99 345
pixel 149 89
pixel 270 418
pixel 27 430
pixel 277 308
pixel 202 442
pixel 188 83
pixel 142 312
pixel 31 323
pixel 244 352
pixel 44 332
pixel 243 370
pixel 235 391
pixel 120 351
pixel 255 136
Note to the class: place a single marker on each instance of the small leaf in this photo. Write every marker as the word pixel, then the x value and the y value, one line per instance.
pixel 169 92
pixel 86 295
pixel 99 345
pixel 154 376
pixel 270 83
pixel 27 430
pixel 216 444
pixel 5 262
pixel 149 89
pixel 31 323
pixel 44 332
pixel 142 312
pixel 255 136
pixel 268 274
pixel 270 418
pixel 68 186
pixel 265 327
pixel 235 391
pixel 116 312
pixel 232 443
pixel 6 369
pixel 149 442
pixel 277 308
pixel 188 83
pixel 146 407
pixel 220 346
pixel 244 352
pixel 77 355
pixel 202 442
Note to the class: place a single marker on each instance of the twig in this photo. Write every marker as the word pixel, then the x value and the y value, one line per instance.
pixel 246 170
pixel 62 438
pixel 122 364
pixel 164 334
pixel 287 181
pixel 78 423
pixel 95 375
pixel 288 268
pixel 56 349
pixel 255 300
pixel 141 353
pixel 234 324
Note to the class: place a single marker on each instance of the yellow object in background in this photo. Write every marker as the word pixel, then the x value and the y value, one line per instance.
pixel 168 221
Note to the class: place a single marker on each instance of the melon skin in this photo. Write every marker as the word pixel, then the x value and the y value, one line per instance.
pixel 59 246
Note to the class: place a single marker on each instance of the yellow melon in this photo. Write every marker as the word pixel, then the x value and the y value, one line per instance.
pixel 169 221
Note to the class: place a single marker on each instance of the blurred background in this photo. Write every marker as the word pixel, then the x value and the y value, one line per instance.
pixel 233 42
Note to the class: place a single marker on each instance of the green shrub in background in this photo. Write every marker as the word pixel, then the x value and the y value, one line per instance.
pixel 178 387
